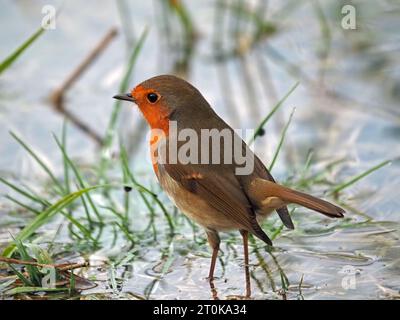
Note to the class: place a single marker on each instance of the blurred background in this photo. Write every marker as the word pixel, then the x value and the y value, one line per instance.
pixel 244 56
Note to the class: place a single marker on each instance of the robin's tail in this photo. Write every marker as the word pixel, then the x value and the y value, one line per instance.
pixel 287 195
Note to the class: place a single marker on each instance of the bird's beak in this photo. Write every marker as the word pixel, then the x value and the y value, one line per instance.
pixel 127 97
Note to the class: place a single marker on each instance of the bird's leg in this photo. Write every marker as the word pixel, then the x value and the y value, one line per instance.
pixel 214 241
pixel 245 236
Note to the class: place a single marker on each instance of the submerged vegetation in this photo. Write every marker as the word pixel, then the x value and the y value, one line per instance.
pixel 105 230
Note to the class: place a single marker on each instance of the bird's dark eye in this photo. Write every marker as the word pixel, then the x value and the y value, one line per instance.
pixel 152 97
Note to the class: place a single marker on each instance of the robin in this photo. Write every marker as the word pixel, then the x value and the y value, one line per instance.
pixel 214 195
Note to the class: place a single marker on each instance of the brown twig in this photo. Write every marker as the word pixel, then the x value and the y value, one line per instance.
pixel 72 266
pixel 60 266
pixel 57 97
pixel 65 270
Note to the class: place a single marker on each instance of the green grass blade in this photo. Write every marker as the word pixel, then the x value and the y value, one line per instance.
pixel 326 34
pixel 284 279
pixel 170 257
pixel 271 113
pixel 142 189
pixel 126 21
pixel 87 213
pixel 44 203
pixel 183 15
pixel 45 216
pixel 20 276
pixel 114 211
pixel 110 132
pixel 282 139
pixel 65 162
pixel 307 164
pixel 40 162
pixel 126 231
pixel 82 228
pixel 40 254
pixel 22 192
pixel 277 232
pixel 344 185
pixel 33 271
pixel 68 160
pixel 128 172
pixel 125 182
pixel 72 284
pixel 29 289
pixel 113 280
pixel 23 205
pixel 6 63
pixel 78 177
pixel 4 285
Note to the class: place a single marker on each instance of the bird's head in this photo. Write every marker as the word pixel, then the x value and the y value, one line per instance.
pixel 164 98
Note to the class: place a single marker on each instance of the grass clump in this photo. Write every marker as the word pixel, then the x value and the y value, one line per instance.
pixel 35 272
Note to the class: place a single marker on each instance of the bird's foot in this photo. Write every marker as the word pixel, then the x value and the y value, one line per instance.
pixel 214 292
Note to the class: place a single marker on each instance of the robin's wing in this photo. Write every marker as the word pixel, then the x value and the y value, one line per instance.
pixel 260 171
pixel 283 212
pixel 220 189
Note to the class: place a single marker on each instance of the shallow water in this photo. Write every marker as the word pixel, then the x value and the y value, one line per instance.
pixel 347 107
